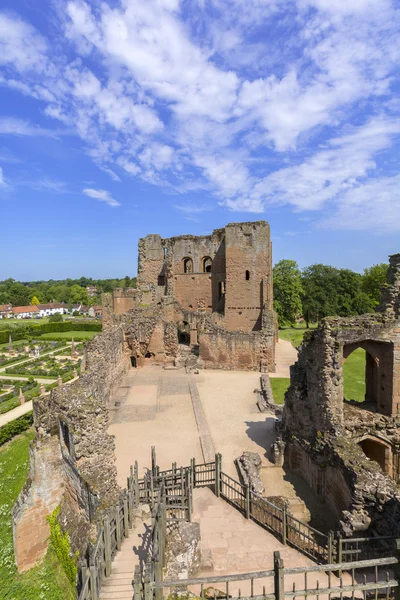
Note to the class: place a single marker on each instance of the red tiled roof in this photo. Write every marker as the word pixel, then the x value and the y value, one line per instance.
pixel 25 309
pixel 5 307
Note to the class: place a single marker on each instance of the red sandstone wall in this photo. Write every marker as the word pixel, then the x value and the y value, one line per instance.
pixel 247 249
pixel 230 350
pixel 194 291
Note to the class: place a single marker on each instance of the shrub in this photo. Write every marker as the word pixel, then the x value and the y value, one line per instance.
pixel 56 318
pixel 62 546
pixel 8 431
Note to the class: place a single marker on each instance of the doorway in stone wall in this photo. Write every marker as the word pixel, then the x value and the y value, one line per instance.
pixel 184 333
pixel 378 451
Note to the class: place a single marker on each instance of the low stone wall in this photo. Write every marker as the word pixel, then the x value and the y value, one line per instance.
pixel 72 456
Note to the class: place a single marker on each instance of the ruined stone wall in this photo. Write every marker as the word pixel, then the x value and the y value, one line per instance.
pixel 72 451
pixel 248 274
pixel 222 349
pixel 194 291
pixel 326 481
pixel 348 452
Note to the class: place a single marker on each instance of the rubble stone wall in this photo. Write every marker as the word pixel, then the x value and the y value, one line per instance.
pixel 72 451
pixel 348 452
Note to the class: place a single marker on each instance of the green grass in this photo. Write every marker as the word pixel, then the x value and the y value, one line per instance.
pixel 47 581
pixel 294 335
pixel 8 405
pixel 354 376
pixel 279 386
pixel 68 335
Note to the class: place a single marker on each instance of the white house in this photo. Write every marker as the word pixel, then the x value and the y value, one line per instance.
pixel 46 310
pixel 5 311
pixel 25 312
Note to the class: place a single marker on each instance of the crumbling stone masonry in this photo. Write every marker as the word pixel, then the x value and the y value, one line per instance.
pixel 211 293
pixel 348 452
pixel 72 455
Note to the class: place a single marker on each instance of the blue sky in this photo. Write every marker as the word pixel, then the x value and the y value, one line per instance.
pixel 129 117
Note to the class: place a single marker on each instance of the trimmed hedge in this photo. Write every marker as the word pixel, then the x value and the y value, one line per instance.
pixel 13 428
pixel 37 329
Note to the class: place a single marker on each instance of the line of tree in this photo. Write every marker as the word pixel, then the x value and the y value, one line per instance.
pixel 321 291
pixel 70 291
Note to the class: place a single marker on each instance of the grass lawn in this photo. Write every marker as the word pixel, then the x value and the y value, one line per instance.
pixel 295 334
pixel 353 368
pixel 279 386
pixel 47 581
pixel 68 335
pixel 354 376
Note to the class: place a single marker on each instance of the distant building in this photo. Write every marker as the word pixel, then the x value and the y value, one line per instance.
pixel 80 308
pixel 25 312
pixel 95 311
pixel 46 310
pixel 92 291
pixel 5 311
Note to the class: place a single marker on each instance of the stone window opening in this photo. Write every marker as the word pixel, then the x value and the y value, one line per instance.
pixel 133 361
pixel 66 438
pixel 221 288
pixel 247 275
pixel 207 264
pixel 165 250
pixel 187 265
pixel 364 377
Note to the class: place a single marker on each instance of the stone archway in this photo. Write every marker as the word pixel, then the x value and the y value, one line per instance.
pixel 379 451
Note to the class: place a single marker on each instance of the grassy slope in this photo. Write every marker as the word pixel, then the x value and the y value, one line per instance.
pixel 353 369
pixel 46 581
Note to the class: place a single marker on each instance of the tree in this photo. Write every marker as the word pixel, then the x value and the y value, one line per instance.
pixel 287 292
pixel 35 301
pixel 56 318
pixel 373 279
pixel 77 295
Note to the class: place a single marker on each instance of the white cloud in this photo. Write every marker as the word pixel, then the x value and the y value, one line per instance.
pixel 372 205
pixel 101 195
pixel 331 176
pixel 2 182
pixel 190 96
pixel 11 126
pixel 20 44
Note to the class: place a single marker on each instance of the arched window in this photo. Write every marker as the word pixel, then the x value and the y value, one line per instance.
pixel 247 275
pixel 187 265
pixel 207 264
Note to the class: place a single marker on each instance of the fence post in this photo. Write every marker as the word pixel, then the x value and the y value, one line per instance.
pixel 397 571
pixel 126 517
pixel 218 475
pixel 193 472
pixel 148 592
pixel 107 543
pixel 279 579
pixel 340 549
pixel 284 524
pixel 247 490
pixel 153 461
pixel 136 485
pixel 331 547
pixel 94 592
pixel 118 525
pixel 137 587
